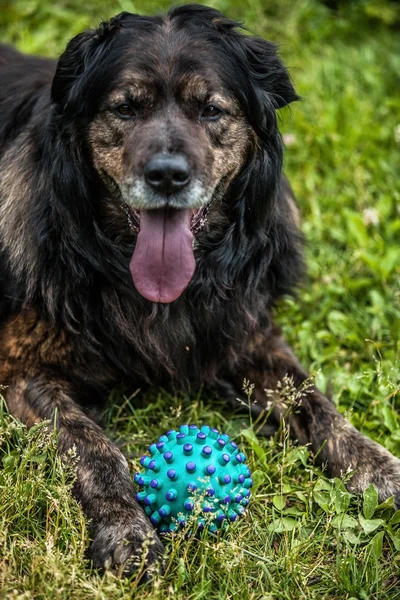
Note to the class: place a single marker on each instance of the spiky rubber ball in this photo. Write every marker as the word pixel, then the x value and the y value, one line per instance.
pixel 194 471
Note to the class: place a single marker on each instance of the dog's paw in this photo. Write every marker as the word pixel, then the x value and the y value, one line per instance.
pixel 372 463
pixel 386 479
pixel 127 545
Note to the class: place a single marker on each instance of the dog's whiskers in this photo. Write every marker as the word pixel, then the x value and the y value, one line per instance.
pixel 131 215
pixel 199 219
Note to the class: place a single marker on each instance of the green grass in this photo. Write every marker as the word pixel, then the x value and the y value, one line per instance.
pixel 304 536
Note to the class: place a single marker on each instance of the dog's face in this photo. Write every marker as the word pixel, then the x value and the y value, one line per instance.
pixel 171 136
pixel 173 107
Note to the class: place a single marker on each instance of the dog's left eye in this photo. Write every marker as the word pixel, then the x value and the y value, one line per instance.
pixel 211 113
pixel 125 111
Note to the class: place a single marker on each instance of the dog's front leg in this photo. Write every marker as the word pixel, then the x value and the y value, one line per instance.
pixel 121 534
pixel 313 419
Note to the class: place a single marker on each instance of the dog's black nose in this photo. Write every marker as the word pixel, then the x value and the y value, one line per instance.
pixel 167 173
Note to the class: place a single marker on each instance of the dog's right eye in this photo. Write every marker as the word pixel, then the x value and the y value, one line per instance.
pixel 125 111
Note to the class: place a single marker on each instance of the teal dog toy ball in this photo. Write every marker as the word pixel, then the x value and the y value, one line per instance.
pixel 194 472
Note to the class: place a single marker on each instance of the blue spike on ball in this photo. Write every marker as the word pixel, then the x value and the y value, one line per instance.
pixel 193 466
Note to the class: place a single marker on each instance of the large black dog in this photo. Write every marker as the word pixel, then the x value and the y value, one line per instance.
pixel 146 233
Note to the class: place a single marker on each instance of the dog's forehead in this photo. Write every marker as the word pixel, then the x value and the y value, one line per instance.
pixel 166 56
pixel 150 77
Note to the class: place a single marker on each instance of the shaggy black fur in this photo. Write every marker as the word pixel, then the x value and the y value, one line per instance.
pixel 79 273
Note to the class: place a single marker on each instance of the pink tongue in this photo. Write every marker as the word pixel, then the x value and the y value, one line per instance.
pixel 163 263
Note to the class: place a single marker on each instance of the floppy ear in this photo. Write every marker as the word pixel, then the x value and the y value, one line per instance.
pixel 268 72
pixel 80 51
pixel 72 64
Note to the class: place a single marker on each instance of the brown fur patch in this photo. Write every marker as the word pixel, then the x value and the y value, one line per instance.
pixel 15 197
pixel 29 344
pixel 132 87
pixel 106 139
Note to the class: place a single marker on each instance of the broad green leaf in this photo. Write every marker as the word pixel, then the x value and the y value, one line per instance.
pixel 395 537
pixel 344 522
pixel 323 500
pixel 351 536
pixel 286 488
pixel 395 519
pixel 369 525
pixel 301 496
pixel 11 460
pixel 279 502
pixel 283 524
pixel 376 544
pixel 341 500
pixel 323 484
pixel 370 501
pixel 387 504
pixel 389 418
pixel 299 454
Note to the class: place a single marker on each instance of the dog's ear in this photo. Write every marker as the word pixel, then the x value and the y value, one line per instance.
pixel 267 71
pixel 78 55
pixel 72 64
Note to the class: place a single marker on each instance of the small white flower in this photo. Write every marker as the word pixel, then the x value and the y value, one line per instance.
pixel 289 139
pixel 370 216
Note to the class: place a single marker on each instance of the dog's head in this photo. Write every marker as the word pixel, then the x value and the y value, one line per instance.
pixel 172 108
